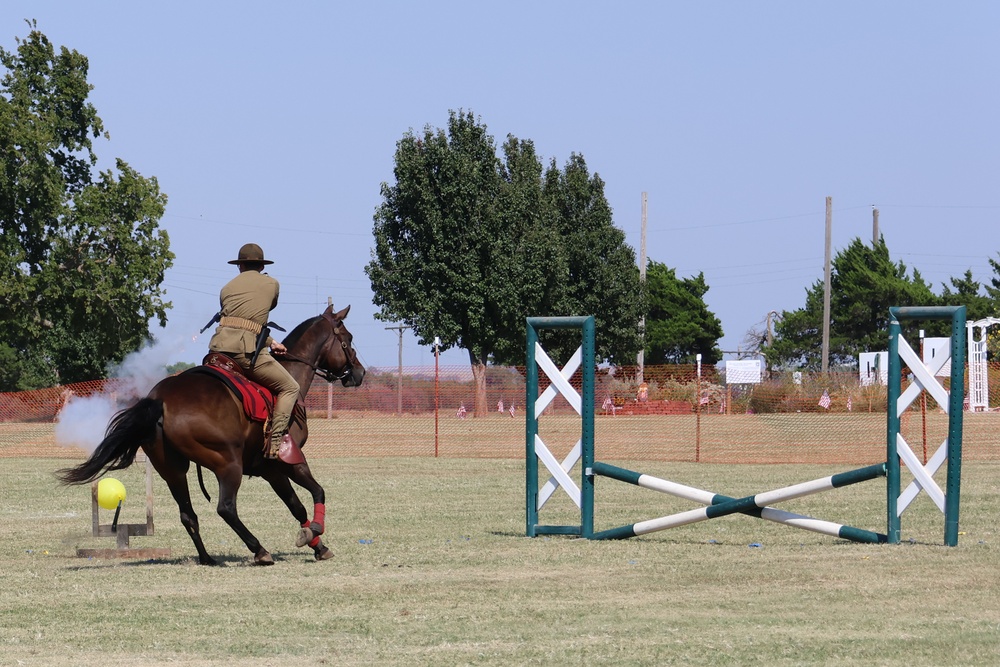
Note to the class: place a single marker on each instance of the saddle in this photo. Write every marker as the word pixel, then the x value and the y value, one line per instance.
pixel 257 400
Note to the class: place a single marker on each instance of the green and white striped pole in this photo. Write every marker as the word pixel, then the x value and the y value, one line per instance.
pixel 756 505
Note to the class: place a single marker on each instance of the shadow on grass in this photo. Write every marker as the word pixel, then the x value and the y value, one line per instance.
pixel 220 561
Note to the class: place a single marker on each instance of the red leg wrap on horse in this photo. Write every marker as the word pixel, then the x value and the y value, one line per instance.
pixel 314 542
pixel 305 524
pixel 319 516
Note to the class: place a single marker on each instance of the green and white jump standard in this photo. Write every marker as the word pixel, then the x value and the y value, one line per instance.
pixel 535 449
pixel 897 449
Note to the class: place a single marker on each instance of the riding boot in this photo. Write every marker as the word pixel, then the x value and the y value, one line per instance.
pixel 274 446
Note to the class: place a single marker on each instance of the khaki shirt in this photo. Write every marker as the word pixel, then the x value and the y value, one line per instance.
pixel 252 296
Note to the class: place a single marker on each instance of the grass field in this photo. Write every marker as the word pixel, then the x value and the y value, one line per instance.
pixel 432 568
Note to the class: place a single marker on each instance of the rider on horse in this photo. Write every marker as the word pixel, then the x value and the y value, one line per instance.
pixel 242 334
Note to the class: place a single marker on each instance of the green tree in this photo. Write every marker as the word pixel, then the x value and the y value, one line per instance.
pixel 178 367
pixel 468 244
pixel 993 289
pixel 599 277
pixel 81 256
pixel 992 309
pixel 967 292
pixel 865 283
pixel 679 324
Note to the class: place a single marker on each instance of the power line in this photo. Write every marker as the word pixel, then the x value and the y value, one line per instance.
pixel 267 227
pixel 754 221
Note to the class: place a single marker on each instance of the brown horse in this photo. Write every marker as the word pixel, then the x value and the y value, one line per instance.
pixel 194 418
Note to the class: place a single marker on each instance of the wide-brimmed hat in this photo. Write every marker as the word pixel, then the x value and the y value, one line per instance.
pixel 251 252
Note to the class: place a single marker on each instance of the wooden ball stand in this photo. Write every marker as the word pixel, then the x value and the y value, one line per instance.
pixel 123 531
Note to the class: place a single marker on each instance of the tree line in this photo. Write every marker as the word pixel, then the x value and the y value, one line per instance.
pixel 466 242
pixel 469 238
pixel 864 284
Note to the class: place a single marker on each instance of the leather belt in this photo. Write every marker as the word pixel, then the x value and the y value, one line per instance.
pixel 240 323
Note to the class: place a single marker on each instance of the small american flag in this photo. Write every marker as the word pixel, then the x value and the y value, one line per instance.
pixel 461 412
pixel 824 400
pixel 850 405
pixel 511 410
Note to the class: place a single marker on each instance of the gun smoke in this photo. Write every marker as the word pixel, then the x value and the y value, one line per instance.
pixel 83 420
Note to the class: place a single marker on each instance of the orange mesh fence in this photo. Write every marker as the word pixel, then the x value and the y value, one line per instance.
pixel 674 416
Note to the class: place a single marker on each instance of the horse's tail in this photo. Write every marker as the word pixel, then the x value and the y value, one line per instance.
pixel 129 429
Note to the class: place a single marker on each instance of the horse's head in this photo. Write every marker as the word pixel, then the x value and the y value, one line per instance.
pixel 338 357
pixel 325 344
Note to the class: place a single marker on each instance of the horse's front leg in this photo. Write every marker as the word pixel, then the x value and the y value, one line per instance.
pixel 277 477
pixel 302 475
pixel 230 479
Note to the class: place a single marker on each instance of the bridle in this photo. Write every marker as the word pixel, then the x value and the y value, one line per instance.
pixel 326 373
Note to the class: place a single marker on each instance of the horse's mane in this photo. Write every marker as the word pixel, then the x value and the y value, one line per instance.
pixel 293 338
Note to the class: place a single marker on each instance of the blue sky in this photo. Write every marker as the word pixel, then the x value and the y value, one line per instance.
pixel 276 123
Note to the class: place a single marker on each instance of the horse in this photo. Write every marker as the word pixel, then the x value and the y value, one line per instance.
pixel 195 418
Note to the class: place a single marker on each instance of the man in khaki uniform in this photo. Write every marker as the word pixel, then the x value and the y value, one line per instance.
pixel 247 301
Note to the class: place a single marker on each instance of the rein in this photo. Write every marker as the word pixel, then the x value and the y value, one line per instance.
pixel 326 373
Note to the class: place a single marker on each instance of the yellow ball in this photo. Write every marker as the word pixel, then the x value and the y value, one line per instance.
pixel 110 492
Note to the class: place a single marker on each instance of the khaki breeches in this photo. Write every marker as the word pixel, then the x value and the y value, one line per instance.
pixel 273 375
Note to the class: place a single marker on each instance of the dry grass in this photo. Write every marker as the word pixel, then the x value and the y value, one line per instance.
pixel 432 568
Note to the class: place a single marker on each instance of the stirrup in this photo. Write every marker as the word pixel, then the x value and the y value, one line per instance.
pixel 290 452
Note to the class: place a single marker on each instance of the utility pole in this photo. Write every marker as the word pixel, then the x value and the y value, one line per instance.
pixel 770 336
pixel 874 226
pixel 399 395
pixel 641 357
pixel 825 361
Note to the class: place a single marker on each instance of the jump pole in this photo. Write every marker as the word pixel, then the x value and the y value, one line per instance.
pixel 756 505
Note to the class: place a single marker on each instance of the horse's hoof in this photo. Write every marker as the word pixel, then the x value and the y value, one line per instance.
pixel 305 537
pixel 263 558
pixel 322 553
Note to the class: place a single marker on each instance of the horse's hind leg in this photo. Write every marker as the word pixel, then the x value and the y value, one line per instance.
pixel 283 488
pixel 229 485
pixel 175 475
